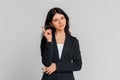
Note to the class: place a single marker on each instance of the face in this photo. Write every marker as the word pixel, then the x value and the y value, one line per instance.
pixel 58 21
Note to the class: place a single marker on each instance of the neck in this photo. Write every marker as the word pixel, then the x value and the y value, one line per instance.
pixel 60 33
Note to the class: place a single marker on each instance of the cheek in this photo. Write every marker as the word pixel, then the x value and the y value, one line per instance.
pixel 64 21
pixel 54 24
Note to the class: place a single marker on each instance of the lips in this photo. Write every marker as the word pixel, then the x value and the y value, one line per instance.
pixel 61 25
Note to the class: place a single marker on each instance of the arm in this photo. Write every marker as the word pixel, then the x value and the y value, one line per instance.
pixel 75 65
pixel 46 52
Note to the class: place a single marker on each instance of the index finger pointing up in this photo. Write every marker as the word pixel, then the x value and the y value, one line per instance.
pixel 43 29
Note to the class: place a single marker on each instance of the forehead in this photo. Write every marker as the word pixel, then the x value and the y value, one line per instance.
pixel 58 16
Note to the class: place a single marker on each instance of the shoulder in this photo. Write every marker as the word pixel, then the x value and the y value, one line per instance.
pixel 74 41
pixel 72 38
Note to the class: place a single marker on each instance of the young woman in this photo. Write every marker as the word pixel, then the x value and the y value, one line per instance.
pixel 59 49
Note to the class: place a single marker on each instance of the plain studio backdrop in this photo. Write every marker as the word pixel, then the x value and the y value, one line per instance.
pixel 96 24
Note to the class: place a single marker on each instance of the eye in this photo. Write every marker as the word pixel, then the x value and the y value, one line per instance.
pixel 55 20
pixel 62 17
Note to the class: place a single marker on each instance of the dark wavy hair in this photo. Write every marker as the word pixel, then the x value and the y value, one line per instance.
pixel 49 18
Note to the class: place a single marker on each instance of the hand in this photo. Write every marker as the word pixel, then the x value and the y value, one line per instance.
pixel 48 34
pixel 49 70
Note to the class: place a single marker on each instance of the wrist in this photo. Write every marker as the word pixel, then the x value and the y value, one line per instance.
pixel 49 40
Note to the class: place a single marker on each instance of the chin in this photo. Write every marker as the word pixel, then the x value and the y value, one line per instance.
pixel 61 29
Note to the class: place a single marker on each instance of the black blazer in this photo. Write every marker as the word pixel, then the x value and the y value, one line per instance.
pixel 70 60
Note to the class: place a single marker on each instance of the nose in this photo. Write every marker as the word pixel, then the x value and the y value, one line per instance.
pixel 60 21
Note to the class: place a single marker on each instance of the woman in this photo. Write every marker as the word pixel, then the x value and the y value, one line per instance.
pixel 59 49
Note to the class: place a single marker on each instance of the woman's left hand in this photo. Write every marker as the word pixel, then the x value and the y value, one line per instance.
pixel 49 70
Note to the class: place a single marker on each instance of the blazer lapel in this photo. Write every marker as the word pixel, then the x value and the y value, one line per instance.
pixel 65 47
pixel 55 48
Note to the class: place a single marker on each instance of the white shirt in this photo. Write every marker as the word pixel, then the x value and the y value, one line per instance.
pixel 60 48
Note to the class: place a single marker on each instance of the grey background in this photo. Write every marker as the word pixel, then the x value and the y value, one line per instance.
pixel 96 24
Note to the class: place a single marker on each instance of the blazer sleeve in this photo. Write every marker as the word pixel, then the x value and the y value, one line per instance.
pixel 46 52
pixel 76 64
